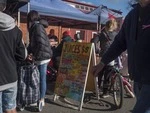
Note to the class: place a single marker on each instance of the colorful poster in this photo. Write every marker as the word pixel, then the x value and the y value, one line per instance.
pixel 73 70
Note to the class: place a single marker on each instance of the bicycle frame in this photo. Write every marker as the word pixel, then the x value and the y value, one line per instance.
pixel 112 75
pixel 125 82
pixel 116 86
pixel 127 86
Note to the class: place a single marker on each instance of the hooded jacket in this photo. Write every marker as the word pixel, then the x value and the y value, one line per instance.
pixel 12 49
pixel 135 37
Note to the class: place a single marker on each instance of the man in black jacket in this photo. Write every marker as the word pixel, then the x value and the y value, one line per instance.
pixel 12 49
pixel 134 37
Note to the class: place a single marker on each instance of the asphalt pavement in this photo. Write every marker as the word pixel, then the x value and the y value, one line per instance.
pixel 93 106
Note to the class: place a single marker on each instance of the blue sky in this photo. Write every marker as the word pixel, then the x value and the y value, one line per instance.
pixel 121 5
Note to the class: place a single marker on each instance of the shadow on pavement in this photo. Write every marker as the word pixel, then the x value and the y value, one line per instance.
pixel 90 103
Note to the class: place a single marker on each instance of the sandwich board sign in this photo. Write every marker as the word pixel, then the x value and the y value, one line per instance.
pixel 73 71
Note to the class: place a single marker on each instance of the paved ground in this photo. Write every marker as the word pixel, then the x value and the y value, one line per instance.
pixel 93 106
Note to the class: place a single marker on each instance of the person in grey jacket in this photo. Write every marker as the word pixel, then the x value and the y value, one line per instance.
pixel 134 37
pixel 106 38
pixel 12 49
pixel 39 47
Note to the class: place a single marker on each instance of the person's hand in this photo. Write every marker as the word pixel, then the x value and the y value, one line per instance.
pixel 97 55
pixel 98 68
pixel 30 57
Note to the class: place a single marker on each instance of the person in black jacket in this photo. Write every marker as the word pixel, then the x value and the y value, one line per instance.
pixel 12 49
pixel 105 39
pixel 65 38
pixel 39 47
pixel 134 37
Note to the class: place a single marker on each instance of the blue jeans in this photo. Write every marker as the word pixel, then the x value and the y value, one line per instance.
pixel 8 99
pixel 142 93
pixel 42 69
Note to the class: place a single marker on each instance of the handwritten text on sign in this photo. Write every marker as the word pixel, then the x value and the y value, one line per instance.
pixel 73 70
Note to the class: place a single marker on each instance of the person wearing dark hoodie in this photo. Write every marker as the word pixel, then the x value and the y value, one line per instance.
pixel 57 54
pixel 65 38
pixel 134 37
pixel 12 49
pixel 39 47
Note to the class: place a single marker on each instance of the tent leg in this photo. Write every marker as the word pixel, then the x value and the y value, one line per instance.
pixel 59 32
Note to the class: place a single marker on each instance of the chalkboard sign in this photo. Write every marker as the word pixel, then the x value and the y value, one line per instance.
pixel 73 70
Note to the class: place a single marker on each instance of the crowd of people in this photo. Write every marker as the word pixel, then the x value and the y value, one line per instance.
pixel 133 36
pixel 42 48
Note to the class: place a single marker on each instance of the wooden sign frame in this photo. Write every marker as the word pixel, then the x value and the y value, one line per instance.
pixel 81 48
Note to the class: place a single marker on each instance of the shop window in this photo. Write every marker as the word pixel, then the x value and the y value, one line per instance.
pixel 87 8
pixel 77 6
pixel 82 7
pixel 91 9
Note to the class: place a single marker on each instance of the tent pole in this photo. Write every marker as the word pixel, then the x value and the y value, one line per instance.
pixel 27 37
pixel 99 24
pixel 28 7
pixel 59 32
pixel 18 22
pixel 99 21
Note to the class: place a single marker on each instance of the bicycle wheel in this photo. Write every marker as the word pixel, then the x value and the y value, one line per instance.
pixel 118 90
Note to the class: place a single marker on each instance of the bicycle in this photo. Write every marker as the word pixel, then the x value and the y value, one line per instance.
pixel 117 84
pixel 127 86
pixel 51 72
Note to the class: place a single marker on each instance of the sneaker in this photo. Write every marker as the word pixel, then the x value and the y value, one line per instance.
pixel 105 95
pixel 43 102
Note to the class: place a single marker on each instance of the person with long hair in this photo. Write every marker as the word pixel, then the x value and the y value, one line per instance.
pixel 106 38
pixel 39 48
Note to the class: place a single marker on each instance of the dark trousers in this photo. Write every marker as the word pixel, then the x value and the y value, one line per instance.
pixel 142 93
pixel 105 73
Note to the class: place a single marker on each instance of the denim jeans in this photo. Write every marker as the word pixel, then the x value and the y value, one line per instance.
pixel 42 69
pixel 142 93
pixel 8 99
